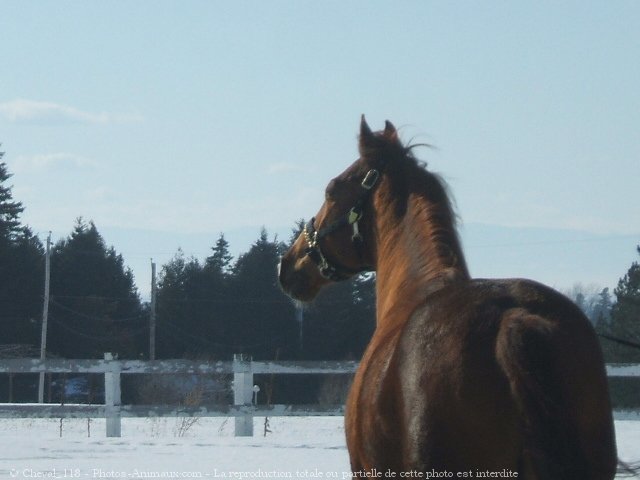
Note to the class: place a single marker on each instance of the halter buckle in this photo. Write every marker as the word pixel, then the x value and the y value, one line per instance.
pixel 370 179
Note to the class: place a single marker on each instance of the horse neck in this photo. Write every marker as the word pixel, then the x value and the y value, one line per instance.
pixel 418 252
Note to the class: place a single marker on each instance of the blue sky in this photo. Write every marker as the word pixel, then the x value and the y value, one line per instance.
pixel 169 122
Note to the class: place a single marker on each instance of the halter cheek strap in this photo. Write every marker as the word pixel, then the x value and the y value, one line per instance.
pixel 333 270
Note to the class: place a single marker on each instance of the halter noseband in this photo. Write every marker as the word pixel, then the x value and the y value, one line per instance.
pixel 332 270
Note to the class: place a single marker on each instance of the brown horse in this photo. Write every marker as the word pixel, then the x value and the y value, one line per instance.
pixel 463 377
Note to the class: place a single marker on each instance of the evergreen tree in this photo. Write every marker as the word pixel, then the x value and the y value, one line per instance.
pixel 220 260
pixel 219 306
pixel 264 320
pixel 602 309
pixel 195 306
pixel 216 310
pixel 169 303
pixel 94 304
pixel 625 317
pixel 204 311
pixel 296 231
pixel 185 307
pixel 21 271
pixel 10 210
pixel 21 287
pixel 340 320
pixel 587 299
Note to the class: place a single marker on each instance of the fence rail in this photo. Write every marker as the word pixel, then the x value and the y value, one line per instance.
pixel 623 369
pixel 81 410
pixel 242 369
pixel 28 365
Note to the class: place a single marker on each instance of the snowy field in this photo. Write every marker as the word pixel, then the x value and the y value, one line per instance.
pixel 303 448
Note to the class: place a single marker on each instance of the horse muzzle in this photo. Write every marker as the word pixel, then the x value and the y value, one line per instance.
pixel 298 278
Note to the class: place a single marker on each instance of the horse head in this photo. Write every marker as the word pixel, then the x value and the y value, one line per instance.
pixel 339 241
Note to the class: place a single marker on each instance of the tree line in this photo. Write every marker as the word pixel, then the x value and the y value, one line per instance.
pixel 207 308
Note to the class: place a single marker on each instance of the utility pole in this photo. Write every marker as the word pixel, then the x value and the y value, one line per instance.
pixel 152 320
pixel 45 316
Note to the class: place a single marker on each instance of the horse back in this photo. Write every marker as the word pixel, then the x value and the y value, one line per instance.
pixel 491 375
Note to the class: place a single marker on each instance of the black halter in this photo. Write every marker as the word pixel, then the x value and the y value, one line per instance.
pixel 331 269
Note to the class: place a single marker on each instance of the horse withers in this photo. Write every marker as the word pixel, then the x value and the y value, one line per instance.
pixel 462 377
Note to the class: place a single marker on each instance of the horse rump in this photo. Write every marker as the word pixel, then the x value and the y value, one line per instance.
pixel 562 396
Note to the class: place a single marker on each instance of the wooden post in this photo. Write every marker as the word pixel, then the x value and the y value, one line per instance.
pixel 112 395
pixel 152 319
pixel 243 393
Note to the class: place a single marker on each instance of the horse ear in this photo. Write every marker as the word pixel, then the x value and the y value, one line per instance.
pixel 367 138
pixel 389 130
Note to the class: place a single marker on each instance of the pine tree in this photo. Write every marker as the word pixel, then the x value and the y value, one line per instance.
pixel 587 299
pixel 625 316
pixel 10 210
pixel 602 309
pixel 21 267
pixel 341 320
pixel 296 231
pixel 184 309
pixel 220 260
pixel 94 305
pixel 264 318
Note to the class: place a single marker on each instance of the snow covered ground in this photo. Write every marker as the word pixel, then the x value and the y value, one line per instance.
pixel 302 448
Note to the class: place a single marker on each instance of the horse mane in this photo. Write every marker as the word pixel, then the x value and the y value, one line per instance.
pixel 423 207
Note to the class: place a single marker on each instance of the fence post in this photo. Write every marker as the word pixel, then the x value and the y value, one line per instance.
pixel 112 394
pixel 243 393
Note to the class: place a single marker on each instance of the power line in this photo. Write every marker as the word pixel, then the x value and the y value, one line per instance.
pixel 621 341
pixel 229 344
pixel 96 297
pixel 242 300
pixel 98 319
pixel 99 337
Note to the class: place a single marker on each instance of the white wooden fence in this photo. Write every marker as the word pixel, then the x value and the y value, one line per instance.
pixel 242 369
